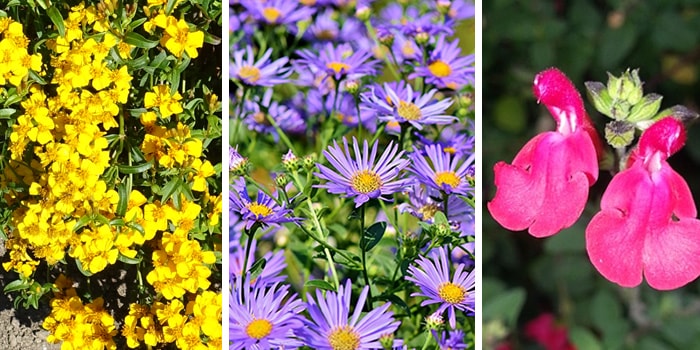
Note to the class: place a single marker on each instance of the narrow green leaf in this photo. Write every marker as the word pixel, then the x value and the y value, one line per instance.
pixel 81 269
pixel 319 284
pixel 169 189
pixel 257 268
pixel 81 222
pixel 129 261
pixel 135 169
pixel 6 113
pixel 123 199
pixel 57 20
pixel 138 40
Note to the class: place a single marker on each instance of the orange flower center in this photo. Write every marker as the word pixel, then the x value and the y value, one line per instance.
pixel 338 66
pixel 271 14
pixel 451 293
pixel 258 329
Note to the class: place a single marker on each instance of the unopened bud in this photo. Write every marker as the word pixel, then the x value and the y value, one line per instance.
pixel 443 6
pixel 387 341
pixel 619 133
pixel 386 39
pixel 422 38
pixel 310 161
pixel 434 322
pixel 290 161
pixel 646 108
pixel 352 86
pixel 363 13
pixel 282 180
pixel 238 165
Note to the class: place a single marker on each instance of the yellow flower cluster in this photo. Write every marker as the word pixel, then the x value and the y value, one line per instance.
pixel 67 133
pixel 15 60
pixel 179 262
pixel 194 326
pixel 78 325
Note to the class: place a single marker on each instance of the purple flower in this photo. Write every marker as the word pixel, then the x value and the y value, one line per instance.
pixel 339 62
pixel 433 278
pixel 264 317
pixel 408 106
pixel 278 12
pixel 260 73
pixel 452 340
pixel 424 202
pixel 361 177
pixel 264 210
pixel 345 109
pixel 410 21
pixel 331 326
pixel 445 67
pixel 255 114
pixel 327 28
pixel 443 172
pixel 456 144
pixel 237 163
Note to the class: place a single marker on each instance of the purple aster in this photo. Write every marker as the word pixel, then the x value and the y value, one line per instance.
pixel 270 274
pixel 410 21
pixel 442 172
pixel 237 163
pixel 264 210
pixel 289 119
pixel 432 275
pixel 457 9
pixel 424 202
pixel 345 110
pixel 331 327
pixel 328 26
pixel 414 108
pixel 361 177
pixel 264 317
pixel 339 62
pixel 260 73
pixel 278 12
pixel 451 340
pixel 405 49
pixel 445 67
pixel 456 144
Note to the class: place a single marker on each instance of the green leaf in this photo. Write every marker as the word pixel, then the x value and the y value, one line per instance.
pixel 81 269
pixel 169 189
pixel 373 235
pixel 505 306
pixel 129 261
pixel 84 220
pixel 123 199
pixel 57 20
pixel 319 284
pixel 135 169
pixel 257 268
pixel 16 285
pixel 138 40
pixel 584 339
pixel 6 113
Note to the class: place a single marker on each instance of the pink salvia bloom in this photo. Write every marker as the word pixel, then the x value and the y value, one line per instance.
pixel 546 187
pixel 647 223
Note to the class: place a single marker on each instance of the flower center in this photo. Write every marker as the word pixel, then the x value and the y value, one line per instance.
pixel 338 67
pixel 326 34
pixel 258 329
pixel 447 177
pixel 440 69
pixel 407 49
pixel 450 150
pixel 366 181
pixel 259 209
pixel 271 14
pixel 409 111
pixel 249 73
pixel 428 211
pixel 344 338
pixel 451 293
pixel 260 118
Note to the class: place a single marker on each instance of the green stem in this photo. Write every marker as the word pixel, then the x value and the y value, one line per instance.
pixel 363 245
pixel 427 341
pixel 249 245
pixel 319 229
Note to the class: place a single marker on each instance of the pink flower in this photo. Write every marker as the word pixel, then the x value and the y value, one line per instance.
pixel 547 333
pixel 546 187
pixel 647 222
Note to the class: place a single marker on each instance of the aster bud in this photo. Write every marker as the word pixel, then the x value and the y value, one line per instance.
pixel 387 341
pixel 363 13
pixel 422 38
pixel 462 112
pixel 281 180
pixel 443 6
pixel 619 133
pixel 290 161
pixel 352 86
pixel 386 39
pixel 310 161
pixel 434 322
pixel 238 165
pixel 442 230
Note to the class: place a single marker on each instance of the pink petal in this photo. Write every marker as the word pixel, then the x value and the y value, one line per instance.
pixel 672 254
pixel 547 186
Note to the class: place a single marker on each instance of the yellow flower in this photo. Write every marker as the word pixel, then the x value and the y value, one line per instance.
pixel 178 38
pixel 203 171
pixel 168 104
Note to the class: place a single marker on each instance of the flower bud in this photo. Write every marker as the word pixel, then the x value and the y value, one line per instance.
pixel 646 108
pixel 363 13
pixel 352 86
pixel 387 341
pixel 386 39
pixel 434 322
pixel 281 180
pixel 310 161
pixel 290 161
pixel 619 133
pixel 238 165
pixel 443 6
pixel 599 96
pixel 422 38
